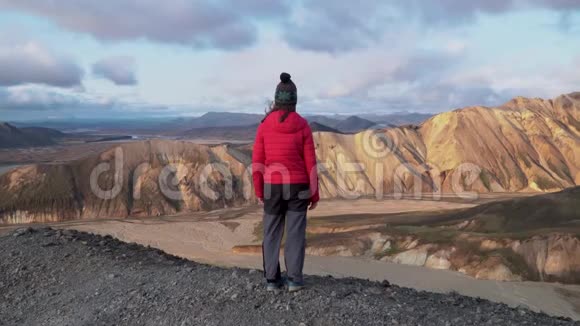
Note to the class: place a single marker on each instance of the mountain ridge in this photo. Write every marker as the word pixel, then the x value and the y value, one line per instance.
pixel 150 286
pixel 525 145
pixel 13 137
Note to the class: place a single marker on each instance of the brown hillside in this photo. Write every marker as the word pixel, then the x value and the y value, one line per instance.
pixel 523 145
pixel 41 193
pixel 559 210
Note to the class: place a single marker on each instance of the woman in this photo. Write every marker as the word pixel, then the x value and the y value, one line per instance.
pixel 286 182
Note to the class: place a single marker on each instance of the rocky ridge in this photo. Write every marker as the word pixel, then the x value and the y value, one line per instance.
pixel 63 277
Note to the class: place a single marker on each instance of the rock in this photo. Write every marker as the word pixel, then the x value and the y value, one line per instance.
pixel 488 245
pixel 553 256
pixel 498 272
pixel 387 246
pixel 377 246
pixel 375 291
pixel 22 231
pixel 49 244
pixel 380 245
pixel 409 243
pixel 439 260
pixel 387 259
pixel 416 257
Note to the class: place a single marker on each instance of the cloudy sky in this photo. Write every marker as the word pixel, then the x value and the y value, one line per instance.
pixel 150 58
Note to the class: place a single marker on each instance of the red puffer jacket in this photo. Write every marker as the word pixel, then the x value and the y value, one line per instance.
pixel 284 153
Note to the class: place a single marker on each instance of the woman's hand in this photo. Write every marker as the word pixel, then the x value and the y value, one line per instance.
pixel 313 206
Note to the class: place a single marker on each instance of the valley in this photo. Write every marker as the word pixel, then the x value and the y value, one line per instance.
pixel 531 145
pixel 485 200
pixel 415 163
pixel 215 237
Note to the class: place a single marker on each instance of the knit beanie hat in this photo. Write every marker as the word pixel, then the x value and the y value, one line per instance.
pixel 286 93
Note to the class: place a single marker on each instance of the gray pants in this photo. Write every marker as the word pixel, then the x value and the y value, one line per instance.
pixel 294 247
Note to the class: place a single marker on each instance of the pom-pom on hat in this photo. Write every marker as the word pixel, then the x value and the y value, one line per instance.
pixel 286 92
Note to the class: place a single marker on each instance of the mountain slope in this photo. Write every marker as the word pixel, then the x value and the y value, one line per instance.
pixel 397 119
pixel 330 121
pixel 238 132
pixel 135 180
pixel 524 145
pixel 244 132
pixel 559 210
pixel 316 126
pixel 533 238
pixel 223 119
pixel 12 137
pixel 354 124
pixel 387 120
pixel 115 283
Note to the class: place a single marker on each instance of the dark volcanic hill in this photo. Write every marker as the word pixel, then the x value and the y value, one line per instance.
pixel 330 121
pixel 316 126
pixel 244 132
pixel 12 137
pixel 354 124
pixel 221 119
pixel 378 120
pixel 397 119
pixel 240 133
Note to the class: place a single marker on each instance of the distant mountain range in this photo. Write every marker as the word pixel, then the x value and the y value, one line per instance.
pixel 315 126
pixel 211 126
pixel 397 119
pixel 343 123
pixel 172 126
pixel 12 137
pixel 528 145
pixel 218 119
pixel 231 125
pixel 354 124
pixel 244 132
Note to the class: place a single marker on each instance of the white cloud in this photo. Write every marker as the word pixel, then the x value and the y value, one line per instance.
pixel 316 25
pixel 119 69
pixel 32 63
pixel 202 24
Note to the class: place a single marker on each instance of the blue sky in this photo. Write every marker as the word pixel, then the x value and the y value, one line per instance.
pixel 128 58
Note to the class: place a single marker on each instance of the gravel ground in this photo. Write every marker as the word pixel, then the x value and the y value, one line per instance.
pixel 64 277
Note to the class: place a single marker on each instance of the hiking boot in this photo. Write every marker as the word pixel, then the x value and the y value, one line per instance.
pixel 295 286
pixel 274 286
